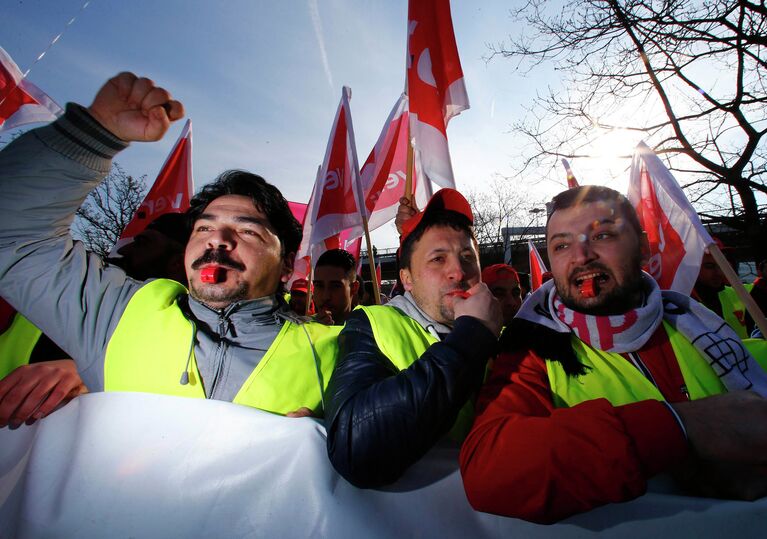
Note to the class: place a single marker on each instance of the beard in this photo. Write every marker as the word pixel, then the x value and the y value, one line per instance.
pixel 620 298
pixel 217 295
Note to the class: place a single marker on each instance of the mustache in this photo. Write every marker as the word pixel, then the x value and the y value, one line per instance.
pixel 213 256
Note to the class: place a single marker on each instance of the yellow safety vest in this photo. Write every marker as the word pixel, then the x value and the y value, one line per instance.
pixel 16 344
pixel 733 309
pixel 403 340
pixel 611 376
pixel 149 349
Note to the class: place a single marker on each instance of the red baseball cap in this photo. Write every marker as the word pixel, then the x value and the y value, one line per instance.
pixel 300 285
pixel 443 200
pixel 498 272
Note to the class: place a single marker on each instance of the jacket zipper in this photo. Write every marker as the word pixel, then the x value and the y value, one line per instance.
pixel 220 352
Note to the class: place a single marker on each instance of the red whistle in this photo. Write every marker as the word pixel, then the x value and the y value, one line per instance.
pixel 212 274
pixel 587 288
pixel 460 293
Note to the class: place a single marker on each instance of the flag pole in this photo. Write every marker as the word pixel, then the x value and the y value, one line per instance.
pixel 740 290
pixel 371 261
pixel 310 287
pixel 409 172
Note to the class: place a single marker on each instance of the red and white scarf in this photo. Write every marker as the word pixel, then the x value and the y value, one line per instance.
pixel 628 332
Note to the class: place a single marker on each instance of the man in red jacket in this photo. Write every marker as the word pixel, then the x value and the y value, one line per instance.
pixel 605 381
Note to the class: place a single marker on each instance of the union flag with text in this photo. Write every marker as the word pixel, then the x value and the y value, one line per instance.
pixel 676 235
pixel 170 192
pixel 337 194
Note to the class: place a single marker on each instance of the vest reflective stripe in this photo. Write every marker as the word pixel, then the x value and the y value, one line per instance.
pixel 153 340
pixel 16 344
pixel 733 309
pixel 612 376
pixel 403 340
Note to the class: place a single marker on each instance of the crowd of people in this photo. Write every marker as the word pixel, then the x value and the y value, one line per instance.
pixel 565 398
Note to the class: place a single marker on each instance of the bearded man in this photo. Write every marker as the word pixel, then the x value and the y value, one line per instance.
pixel 605 381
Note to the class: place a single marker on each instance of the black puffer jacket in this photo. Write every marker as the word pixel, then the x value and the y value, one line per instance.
pixel 380 420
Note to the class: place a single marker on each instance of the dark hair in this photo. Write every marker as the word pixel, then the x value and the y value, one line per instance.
pixel 452 219
pixel 266 198
pixel 338 258
pixel 594 193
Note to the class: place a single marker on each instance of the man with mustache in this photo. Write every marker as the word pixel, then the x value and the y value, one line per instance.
pixel 406 369
pixel 605 381
pixel 228 337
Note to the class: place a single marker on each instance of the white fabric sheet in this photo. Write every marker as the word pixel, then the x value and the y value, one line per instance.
pixel 138 465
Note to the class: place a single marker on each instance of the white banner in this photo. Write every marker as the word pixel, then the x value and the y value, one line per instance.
pixel 140 465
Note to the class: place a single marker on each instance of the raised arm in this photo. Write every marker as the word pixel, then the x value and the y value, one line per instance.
pixel 44 176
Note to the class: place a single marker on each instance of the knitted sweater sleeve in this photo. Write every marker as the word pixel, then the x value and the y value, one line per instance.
pixel 61 288
pixel 527 459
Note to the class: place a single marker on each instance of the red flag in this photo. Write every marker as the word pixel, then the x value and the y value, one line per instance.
pixel 170 192
pixel 378 275
pixel 572 183
pixel 383 175
pixel 21 102
pixel 537 267
pixel 435 86
pixel 337 193
pixel 676 235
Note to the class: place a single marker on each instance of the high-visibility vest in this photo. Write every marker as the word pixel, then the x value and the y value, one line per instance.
pixel 16 344
pixel 733 310
pixel 612 376
pixel 403 340
pixel 153 341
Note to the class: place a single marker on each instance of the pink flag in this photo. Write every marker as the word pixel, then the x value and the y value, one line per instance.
pixel 170 192
pixel 21 102
pixel 298 210
pixel 537 267
pixel 337 194
pixel 572 183
pixel 677 237
pixel 435 86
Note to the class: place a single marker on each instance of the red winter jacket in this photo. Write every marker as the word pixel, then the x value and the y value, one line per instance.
pixel 527 459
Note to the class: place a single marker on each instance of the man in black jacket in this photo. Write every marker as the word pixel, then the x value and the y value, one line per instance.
pixel 407 369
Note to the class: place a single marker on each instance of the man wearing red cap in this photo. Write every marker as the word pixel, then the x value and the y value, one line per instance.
pixel 406 370
pixel 299 293
pixel 503 282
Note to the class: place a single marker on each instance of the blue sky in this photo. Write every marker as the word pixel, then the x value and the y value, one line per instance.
pixel 261 80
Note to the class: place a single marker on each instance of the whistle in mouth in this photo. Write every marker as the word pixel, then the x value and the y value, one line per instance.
pixel 212 274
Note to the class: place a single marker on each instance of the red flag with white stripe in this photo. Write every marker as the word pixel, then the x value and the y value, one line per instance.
pixel 170 192
pixel 572 183
pixel 21 102
pixel 537 267
pixel 676 235
pixel 383 175
pixel 337 200
pixel 435 86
